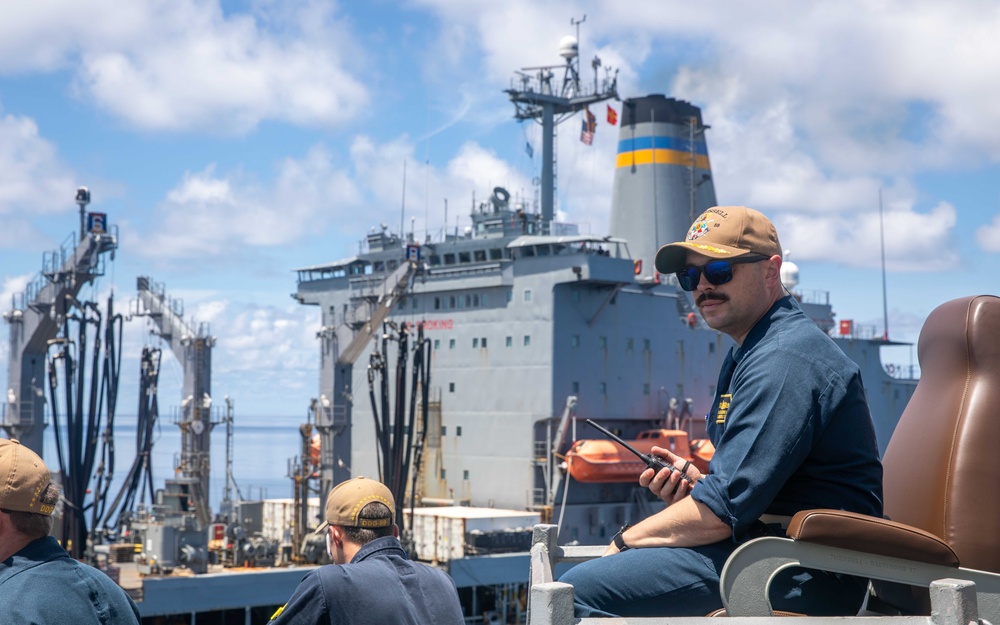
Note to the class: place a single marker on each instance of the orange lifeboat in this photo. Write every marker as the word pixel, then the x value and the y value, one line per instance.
pixel 602 460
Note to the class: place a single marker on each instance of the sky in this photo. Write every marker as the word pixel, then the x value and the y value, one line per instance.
pixel 233 142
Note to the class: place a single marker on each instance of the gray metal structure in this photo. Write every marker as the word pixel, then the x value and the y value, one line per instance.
pixel 193 349
pixel 536 97
pixel 36 316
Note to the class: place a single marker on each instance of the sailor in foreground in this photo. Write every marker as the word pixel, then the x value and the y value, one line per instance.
pixel 371 580
pixel 791 428
pixel 39 582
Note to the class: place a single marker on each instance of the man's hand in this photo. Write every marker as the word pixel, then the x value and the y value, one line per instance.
pixel 666 484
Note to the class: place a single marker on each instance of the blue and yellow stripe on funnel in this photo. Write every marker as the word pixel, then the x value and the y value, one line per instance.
pixel 661 150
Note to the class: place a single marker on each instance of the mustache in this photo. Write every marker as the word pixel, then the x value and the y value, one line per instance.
pixel 709 296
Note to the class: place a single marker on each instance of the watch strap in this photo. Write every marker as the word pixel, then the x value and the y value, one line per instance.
pixel 619 540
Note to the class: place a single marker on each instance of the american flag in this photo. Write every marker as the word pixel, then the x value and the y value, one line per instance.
pixel 589 125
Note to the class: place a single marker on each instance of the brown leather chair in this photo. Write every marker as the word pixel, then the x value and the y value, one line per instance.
pixel 941 485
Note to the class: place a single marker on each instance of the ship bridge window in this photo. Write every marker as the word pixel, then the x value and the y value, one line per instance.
pixel 435 260
pixel 449 259
pixel 451 302
pixel 527 340
pixel 475 300
pixel 496 254
pixel 544 250
pixel 413 303
pixel 480 256
pixel 510 341
pixel 527 295
pixel 464 257
pixel 451 343
pixel 437 303
pixel 393 264
pixel 527 251
pixel 475 343
pixel 378 266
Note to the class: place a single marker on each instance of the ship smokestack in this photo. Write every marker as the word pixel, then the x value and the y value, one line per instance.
pixel 663 179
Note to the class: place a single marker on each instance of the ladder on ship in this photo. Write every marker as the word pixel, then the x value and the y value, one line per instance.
pixel 392 289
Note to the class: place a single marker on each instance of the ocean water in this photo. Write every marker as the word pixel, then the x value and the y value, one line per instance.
pixel 262 449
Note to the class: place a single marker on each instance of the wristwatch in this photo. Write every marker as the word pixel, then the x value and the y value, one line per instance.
pixel 619 541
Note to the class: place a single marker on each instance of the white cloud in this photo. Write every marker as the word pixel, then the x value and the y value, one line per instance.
pixel 187 65
pixel 914 241
pixel 988 236
pixel 33 178
pixel 210 214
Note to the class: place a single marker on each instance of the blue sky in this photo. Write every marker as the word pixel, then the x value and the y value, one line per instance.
pixel 232 143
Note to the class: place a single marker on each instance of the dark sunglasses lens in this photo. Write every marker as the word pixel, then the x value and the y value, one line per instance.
pixel 719 272
pixel 688 278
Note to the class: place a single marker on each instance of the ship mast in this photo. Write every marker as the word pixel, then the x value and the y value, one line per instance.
pixel 535 97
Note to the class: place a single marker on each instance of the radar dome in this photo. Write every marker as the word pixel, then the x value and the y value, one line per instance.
pixel 789 272
pixel 568 47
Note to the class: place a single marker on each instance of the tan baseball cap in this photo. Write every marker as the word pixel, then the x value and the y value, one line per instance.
pixel 348 498
pixel 722 232
pixel 23 479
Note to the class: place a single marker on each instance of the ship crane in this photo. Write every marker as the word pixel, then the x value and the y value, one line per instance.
pixel 359 327
pixel 535 97
pixel 193 349
pixel 37 315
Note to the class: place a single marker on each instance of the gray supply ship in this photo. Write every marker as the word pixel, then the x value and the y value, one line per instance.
pixel 518 329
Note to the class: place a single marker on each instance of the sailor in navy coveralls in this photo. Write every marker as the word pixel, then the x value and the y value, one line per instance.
pixel 39 582
pixel 792 431
pixel 371 579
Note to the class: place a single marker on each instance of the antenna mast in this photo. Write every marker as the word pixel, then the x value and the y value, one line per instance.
pixel 535 97
pixel 885 297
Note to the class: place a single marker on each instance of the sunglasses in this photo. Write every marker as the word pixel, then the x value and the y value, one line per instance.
pixel 716 272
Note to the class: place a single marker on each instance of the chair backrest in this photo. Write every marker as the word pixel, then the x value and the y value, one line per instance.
pixel 942 465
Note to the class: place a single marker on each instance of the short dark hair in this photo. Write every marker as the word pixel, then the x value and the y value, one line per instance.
pixel 32 524
pixel 375 510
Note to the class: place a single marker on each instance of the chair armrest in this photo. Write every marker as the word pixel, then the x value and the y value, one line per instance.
pixel 859 532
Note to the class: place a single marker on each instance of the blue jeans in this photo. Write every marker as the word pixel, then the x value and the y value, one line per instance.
pixel 673 581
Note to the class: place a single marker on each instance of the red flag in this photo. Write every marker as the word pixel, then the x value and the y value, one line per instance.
pixel 612 116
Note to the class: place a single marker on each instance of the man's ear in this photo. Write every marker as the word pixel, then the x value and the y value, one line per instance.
pixel 395 530
pixel 774 270
pixel 337 534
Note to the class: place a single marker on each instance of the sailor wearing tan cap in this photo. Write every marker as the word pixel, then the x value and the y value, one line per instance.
pixel 39 581
pixel 791 429
pixel 371 580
